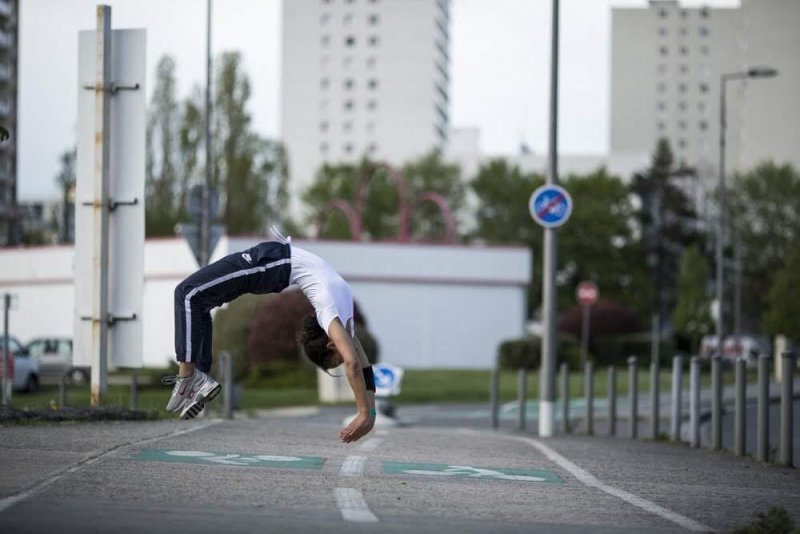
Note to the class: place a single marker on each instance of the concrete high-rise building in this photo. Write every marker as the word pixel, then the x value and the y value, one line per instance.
pixel 9 39
pixel 363 78
pixel 666 65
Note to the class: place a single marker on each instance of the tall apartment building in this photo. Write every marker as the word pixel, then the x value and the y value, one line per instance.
pixel 363 78
pixel 9 39
pixel 666 65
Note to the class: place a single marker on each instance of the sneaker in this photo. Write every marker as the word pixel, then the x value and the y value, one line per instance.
pixel 191 393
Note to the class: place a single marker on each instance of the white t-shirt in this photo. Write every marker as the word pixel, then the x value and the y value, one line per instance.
pixel 325 289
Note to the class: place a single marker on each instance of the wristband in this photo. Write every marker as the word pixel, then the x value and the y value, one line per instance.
pixel 369 378
pixel 373 412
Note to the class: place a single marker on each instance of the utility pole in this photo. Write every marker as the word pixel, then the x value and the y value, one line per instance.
pixel 205 216
pixel 550 258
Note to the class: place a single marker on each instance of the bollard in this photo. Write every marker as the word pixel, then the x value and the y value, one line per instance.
pixel 739 428
pixel 787 399
pixel 716 402
pixel 565 396
pixel 694 402
pixel 762 416
pixel 612 401
pixel 655 398
pixel 589 382
pixel 227 387
pixel 522 395
pixel 633 394
pixel 62 391
pixel 677 392
pixel 494 396
pixel 134 393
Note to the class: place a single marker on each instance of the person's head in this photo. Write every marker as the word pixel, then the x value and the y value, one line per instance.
pixel 317 345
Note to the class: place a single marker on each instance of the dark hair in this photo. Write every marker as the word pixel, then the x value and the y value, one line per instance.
pixel 314 341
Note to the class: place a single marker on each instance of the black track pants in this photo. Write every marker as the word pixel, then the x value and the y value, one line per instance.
pixel 265 268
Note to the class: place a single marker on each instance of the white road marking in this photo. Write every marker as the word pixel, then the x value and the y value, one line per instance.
pixel 11 500
pixel 353 466
pixel 381 432
pixel 352 506
pixel 371 444
pixel 592 481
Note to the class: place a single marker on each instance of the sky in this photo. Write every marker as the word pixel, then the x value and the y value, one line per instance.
pixel 500 65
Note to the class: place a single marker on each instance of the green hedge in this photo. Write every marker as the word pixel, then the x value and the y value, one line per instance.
pixel 616 349
pixel 526 353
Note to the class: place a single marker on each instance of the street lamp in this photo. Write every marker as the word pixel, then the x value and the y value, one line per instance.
pixel 753 72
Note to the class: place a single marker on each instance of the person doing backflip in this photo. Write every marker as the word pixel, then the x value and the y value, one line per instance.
pixel 328 337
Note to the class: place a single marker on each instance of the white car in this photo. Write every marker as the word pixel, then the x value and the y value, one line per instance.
pixel 54 355
pixel 750 346
pixel 24 370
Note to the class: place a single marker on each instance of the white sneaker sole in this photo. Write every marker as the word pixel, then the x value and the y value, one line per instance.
pixel 191 411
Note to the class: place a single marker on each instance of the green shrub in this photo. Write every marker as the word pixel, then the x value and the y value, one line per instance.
pixel 615 350
pixel 282 374
pixel 232 325
pixel 775 521
pixel 526 353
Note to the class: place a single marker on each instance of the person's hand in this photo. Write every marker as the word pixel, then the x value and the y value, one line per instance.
pixel 358 427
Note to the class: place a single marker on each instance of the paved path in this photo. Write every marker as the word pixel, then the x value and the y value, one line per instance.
pixel 288 473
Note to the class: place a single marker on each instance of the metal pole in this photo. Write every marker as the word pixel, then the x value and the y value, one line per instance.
pixel 720 326
pixel 716 402
pixel 612 401
pixel 740 428
pixel 633 394
pixel 101 206
pixel 677 392
pixel 494 396
pixel 655 397
pixel 522 395
pixel 6 355
pixel 589 369
pixel 227 391
pixel 694 402
pixel 205 216
pixel 62 390
pixel 787 399
pixel 565 396
pixel 550 257
pixel 584 339
pixel 737 295
pixel 134 392
pixel 762 417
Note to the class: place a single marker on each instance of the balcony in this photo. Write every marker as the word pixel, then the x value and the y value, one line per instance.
pixel 5 8
pixel 5 40
pixel 5 108
pixel 5 73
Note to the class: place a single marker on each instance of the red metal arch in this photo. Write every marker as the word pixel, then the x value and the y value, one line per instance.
pixel 444 209
pixel 353 217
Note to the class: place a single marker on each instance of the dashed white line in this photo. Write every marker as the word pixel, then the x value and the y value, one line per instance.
pixel 371 444
pixel 353 466
pixel 352 506
pixel 592 481
pixel 11 500
pixel 381 432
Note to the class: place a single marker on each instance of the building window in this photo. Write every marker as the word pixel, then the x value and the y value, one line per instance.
pixel 682 143
pixel 349 84
pixel 701 106
pixel 348 148
pixel 662 106
pixel 347 126
pixel 372 84
pixel 684 31
pixel 703 87
pixel 704 50
pixel 661 126
pixel 684 50
pixel 371 60
pixel 684 68
pixel 682 125
pixel 323 126
pixel 662 31
pixel 682 87
pixel 662 87
pixel 373 20
pixel 326 1
pixel 370 127
pixel 347 61
pixel 350 40
pixel 325 40
pixel 373 40
pixel 324 83
pixel 373 148
pixel 372 105
pixel 663 13
pixel 682 105
pixel 663 50
pixel 684 13
pixel 704 31
pixel 703 125
pixel 323 148
pixel 325 18
pixel 323 104
pixel 348 105
pixel 662 68
pixel 704 12
pixel 324 61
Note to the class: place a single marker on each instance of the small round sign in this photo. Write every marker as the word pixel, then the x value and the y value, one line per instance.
pixel 550 205
pixel 587 293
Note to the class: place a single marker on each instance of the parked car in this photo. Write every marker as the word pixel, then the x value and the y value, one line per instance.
pixel 750 346
pixel 23 370
pixel 54 355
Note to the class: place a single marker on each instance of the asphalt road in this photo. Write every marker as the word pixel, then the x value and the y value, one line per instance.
pixel 288 473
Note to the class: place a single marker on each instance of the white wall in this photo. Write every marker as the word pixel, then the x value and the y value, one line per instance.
pixel 429 306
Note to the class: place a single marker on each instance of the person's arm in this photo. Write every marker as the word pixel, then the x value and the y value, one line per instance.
pixel 352 363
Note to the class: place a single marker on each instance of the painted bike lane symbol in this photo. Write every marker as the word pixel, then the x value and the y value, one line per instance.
pixel 468 471
pixel 221 458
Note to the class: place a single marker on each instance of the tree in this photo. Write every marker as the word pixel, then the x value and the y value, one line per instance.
pixel 164 190
pixel 667 222
pixel 764 212
pixel 597 243
pixel 251 170
pixel 65 179
pixel 379 218
pixel 691 317
pixel 783 300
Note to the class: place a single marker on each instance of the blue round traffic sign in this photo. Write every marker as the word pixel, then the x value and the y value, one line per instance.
pixel 550 205
pixel 385 376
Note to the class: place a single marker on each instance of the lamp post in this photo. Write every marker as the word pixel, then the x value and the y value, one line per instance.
pixel 755 72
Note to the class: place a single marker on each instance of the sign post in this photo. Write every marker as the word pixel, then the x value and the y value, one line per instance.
pixel 550 206
pixel 586 294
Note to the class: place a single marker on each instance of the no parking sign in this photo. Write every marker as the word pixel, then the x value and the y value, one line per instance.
pixel 550 205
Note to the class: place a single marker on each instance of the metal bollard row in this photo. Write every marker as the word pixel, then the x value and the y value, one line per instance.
pixel 633 393
pixel 589 384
